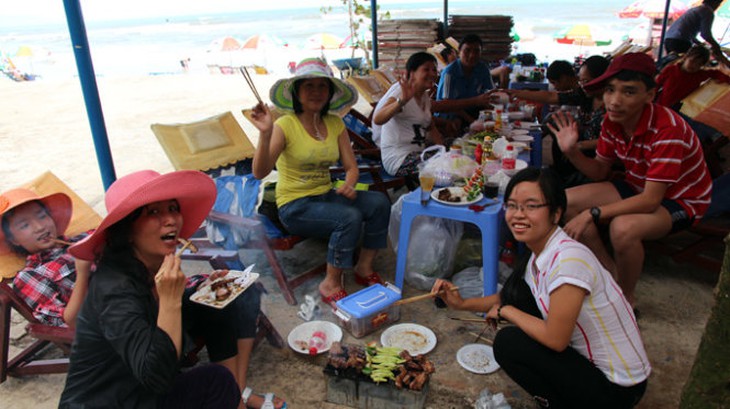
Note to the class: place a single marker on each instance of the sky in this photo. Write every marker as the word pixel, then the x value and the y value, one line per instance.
pixel 39 11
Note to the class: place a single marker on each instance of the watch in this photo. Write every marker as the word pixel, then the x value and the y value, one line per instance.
pixel 399 102
pixel 596 214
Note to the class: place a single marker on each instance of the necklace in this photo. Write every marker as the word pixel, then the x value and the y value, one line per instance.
pixel 317 134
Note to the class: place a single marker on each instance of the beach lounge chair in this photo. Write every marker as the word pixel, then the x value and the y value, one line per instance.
pixel 210 145
pixel 26 361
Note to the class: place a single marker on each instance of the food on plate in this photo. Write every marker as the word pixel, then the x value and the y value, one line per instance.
pixel 222 286
pixel 446 196
pixel 474 184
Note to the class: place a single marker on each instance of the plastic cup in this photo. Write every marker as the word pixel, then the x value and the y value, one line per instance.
pixel 427 180
pixel 490 189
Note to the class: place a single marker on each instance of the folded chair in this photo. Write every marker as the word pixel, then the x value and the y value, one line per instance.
pixel 210 145
pixel 26 362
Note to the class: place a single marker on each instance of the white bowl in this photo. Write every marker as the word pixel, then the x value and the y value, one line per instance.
pixel 298 338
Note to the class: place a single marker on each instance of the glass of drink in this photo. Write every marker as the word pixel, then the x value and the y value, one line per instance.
pixel 490 189
pixel 427 180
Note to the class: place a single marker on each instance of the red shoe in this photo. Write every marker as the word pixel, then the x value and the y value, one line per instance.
pixel 373 278
pixel 333 298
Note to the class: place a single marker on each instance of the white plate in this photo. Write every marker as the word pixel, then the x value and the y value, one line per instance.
pixel 523 138
pixel 477 358
pixel 298 338
pixel 515 115
pixel 520 146
pixel 414 338
pixel 518 131
pixel 455 191
pixel 242 280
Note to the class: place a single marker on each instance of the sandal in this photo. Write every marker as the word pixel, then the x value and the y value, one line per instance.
pixel 268 399
pixel 333 298
pixel 372 279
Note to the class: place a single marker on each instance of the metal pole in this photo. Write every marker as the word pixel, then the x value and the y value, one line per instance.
pixel 374 23
pixel 446 18
pixel 664 30
pixel 80 42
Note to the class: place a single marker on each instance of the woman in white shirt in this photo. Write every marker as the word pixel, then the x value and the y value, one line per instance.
pixel 574 342
pixel 402 121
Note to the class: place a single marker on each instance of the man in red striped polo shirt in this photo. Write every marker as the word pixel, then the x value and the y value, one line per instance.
pixel 666 186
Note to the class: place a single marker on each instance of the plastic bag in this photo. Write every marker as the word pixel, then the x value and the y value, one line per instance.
pixel 237 195
pixel 447 166
pixel 488 401
pixel 431 248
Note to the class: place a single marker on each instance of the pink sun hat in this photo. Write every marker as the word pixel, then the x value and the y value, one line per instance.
pixel 195 192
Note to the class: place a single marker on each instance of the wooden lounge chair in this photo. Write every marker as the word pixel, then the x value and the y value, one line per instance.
pixel 189 146
pixel 26 362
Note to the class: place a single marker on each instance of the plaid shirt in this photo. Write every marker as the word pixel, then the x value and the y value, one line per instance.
pixel 46 282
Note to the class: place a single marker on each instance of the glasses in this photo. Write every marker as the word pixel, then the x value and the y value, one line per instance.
pixel 524 208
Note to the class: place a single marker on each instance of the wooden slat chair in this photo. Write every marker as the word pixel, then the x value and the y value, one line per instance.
pixel 26 362
pixel 210 145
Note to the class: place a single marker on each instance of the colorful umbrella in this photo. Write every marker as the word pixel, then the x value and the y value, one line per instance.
pixel 225 44
pixel 263 41
pixel 582 35
pixel 653 9
pixel 323 41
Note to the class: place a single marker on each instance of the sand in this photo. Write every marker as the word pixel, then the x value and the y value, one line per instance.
pixel 44 127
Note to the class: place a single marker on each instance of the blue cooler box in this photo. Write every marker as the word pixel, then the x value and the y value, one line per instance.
pixel 369 309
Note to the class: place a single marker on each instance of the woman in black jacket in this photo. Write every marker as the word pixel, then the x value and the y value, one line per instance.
pixel 129 333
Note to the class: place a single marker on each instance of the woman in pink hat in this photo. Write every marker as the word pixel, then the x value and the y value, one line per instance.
pixel 52 282
pixel 302 145
pixel 132 328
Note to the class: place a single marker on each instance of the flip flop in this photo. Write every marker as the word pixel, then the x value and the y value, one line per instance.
pixel 268 399
pixel 373 278
pixel 333 298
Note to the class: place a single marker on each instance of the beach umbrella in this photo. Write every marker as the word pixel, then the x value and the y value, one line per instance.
pixel 224 44
pixel 323 41
pixel 581 35
pixel 653 9
pixel 262 42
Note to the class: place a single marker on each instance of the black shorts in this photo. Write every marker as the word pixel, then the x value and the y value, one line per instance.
pixel 680 218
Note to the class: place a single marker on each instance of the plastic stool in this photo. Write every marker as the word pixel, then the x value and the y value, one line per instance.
pixel 487 220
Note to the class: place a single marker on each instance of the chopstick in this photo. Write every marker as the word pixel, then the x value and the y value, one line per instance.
pixel 186 244
pixel 469 319
pixel 489 323
pixel 487 340
pixel 251 84
pixel 422 297
pixel 64 242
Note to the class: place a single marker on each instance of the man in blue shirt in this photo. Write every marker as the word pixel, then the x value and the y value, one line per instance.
pixel 697 20
pixel 463 86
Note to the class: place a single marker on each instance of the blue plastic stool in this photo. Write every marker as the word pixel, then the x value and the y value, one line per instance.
pixel 487 220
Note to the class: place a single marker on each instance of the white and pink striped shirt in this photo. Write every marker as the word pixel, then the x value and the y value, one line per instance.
pixel 606 331
pixel 662 149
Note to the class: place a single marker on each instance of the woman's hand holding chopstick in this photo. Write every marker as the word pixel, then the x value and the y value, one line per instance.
pixel 444 290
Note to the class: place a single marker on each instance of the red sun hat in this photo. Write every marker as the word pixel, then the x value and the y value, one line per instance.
pixel 638 62
pixel 58 204
pixel 194 191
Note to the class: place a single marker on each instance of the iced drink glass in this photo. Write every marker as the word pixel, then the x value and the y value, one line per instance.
pixel 427 180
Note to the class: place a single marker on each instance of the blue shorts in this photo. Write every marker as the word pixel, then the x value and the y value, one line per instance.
pixel 680 218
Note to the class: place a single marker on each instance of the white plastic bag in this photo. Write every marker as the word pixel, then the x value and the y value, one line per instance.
pixel 447 166
pixel 431 248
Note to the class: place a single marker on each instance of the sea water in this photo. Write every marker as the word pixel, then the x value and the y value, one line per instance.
pixel 156 41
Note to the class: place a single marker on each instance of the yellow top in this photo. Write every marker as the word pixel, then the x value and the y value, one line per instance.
pixel 304 164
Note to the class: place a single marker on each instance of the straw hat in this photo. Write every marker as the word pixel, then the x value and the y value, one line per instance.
pixel 58 205
pixel 194 191
pixel 345 94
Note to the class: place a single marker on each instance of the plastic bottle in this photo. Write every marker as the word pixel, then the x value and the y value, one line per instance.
pixel 509 158
pixel 317 342
pixel 508 254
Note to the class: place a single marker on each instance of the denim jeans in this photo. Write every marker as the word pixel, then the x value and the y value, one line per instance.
pixel 341 220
